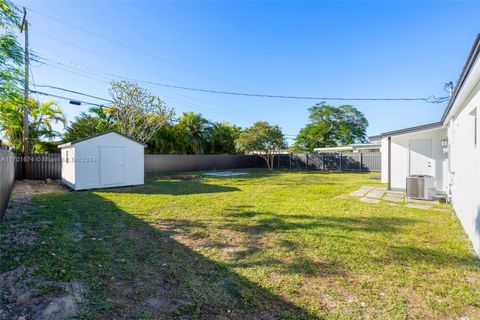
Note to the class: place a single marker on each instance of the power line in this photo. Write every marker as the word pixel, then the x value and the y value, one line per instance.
pixel 123 63
pixel 134 49
pixel 67 98
pixel 287 136
pixel 98 76
pixel 72 91
pixel 430 99
pixel 186 103
pixel 130 47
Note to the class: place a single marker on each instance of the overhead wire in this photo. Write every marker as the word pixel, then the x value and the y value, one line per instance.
pixel 429 99
pixel 67 98
pixel 99 76
pixel 134 49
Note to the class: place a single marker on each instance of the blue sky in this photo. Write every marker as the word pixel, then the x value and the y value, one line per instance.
pixel 344 49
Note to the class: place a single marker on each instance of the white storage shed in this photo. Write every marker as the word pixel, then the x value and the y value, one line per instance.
pixel 106 160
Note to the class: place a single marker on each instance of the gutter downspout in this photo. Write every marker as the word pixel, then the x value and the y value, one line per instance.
pixel 389 163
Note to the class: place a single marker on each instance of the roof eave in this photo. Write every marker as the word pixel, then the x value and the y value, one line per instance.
pixel 429 126
pixel 472 57
pixel 98 135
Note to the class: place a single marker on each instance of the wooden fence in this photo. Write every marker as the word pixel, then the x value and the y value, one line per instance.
pixel 40 166
pixel 7 178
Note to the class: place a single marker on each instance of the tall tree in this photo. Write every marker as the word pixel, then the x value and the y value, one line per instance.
pixel 42 117
pixel 88 124
pixel 263 139
pixel 137 112
pixel 221 137
pixel 330 126
pixel 166 141
pixel 193 134
pixel 11 54
pixel 191 131
pixel 105 117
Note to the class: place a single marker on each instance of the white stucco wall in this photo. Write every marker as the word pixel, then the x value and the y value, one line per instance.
pixel 68 166
pixel 464 166
pixel 87 161
pixel 400 157
pixel 460 176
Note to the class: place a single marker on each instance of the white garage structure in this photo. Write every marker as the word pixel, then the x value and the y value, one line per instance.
pixel 107 160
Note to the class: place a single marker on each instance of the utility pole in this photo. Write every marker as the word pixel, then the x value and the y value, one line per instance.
pixel 24 29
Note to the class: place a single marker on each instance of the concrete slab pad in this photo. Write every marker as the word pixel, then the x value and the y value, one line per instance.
pixel 376 193
pixel 418 206
pixel 398 193
pixel 393 198
pixel 370 200
pixel 362 191
pixel 442 210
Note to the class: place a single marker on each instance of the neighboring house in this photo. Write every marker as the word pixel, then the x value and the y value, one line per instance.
pixel 109 159
pixel 358 147
pixel 448 150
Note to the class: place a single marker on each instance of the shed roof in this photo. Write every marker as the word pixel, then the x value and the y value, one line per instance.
pixel 68 144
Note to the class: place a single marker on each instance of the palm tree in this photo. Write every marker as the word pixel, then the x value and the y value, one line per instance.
pixel 193 126
pixel 42 116
pixel 105 115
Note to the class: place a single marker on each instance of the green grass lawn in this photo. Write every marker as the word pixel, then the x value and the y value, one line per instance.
pixel 284 245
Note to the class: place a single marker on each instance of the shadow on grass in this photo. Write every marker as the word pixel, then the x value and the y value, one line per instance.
pixel 272 222
pixel 173 188
pixel 268 222
pixel 134 269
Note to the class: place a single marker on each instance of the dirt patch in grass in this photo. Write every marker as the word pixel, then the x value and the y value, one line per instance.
pixel 24 292
pixel 282 245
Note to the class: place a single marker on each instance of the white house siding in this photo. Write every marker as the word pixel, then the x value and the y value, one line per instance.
pixel 400 157
pixel 465 165
pixel 68 166
pixel 87 169
pixel 460 176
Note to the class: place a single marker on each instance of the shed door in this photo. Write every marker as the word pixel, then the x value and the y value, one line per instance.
pixel 420 156
pixel 112 160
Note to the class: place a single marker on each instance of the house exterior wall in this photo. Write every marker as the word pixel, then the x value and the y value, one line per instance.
pixel 87 161
pixel 460 176
pixel 464 166
pixel 68 166
pixel 400 163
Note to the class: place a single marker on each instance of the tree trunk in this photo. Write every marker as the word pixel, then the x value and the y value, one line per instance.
pixel 267 161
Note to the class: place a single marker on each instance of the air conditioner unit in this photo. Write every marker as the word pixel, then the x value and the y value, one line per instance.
pixel 420 187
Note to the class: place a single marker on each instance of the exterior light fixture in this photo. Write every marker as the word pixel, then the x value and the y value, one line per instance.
pixel 444 143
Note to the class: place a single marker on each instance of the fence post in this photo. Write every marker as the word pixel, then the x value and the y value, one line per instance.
pixel 340 161
pixel 361 161
pixel 306 161
pixel 290 163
